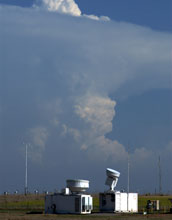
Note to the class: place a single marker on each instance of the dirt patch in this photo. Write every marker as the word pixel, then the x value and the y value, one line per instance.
pixel 24 216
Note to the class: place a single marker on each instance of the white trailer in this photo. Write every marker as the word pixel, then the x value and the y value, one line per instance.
pixel 68 204
pixel 118 202
pixel 72 200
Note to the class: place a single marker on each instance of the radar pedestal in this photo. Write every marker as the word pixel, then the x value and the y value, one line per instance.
pixel 116 201
pixel 112 179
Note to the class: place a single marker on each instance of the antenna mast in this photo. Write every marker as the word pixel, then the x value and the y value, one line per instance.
pixel 26 187
pixel 128 182
pixel 128 185
pixel 160 176
pixel 128 166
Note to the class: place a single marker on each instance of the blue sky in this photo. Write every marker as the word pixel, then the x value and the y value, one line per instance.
pixel 153 13
pixel 85 90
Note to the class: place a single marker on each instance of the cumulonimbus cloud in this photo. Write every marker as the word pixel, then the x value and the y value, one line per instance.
pixel 62 6
pixel 65 70
pixel 66 7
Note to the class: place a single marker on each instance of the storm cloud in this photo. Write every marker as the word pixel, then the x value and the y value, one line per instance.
pixel 57 73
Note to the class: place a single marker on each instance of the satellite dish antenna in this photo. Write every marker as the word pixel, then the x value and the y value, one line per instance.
pixel 77 186
pixel 112 178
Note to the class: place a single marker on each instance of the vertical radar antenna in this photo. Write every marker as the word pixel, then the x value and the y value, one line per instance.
pixel 112 178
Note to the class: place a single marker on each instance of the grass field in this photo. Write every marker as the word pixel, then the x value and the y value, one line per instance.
pixel 21 207
pixel 165 203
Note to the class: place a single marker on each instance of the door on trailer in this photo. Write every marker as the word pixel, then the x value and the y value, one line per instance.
pixel 90 203
pixel 133 202
pixel 117 202
pixel 83 204
pixel 76 204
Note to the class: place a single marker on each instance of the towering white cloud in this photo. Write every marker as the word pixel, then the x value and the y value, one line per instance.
pixel 98 112
pixel 66 7
pixel 62 6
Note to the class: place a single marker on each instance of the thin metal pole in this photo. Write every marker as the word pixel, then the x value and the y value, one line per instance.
pixel 128 185
pixel 26 173
pixel 160 177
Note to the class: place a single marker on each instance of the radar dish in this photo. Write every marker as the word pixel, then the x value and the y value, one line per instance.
pixel 112 173
pixel 77 185
pixel 112 178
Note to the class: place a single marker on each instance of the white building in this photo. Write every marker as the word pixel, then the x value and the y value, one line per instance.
pixel 72 200
pixel 115 201
pixel 118 202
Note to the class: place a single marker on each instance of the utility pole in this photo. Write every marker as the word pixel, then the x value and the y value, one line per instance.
pixel 160 176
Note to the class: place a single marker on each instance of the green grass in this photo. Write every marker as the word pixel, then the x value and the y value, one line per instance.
pixel 21 202
pixel 165 203
pixel 96 203
pixel 164 200
pixel 24 204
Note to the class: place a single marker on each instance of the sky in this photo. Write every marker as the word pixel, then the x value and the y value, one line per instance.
pixel 85 83
pixel 152 13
